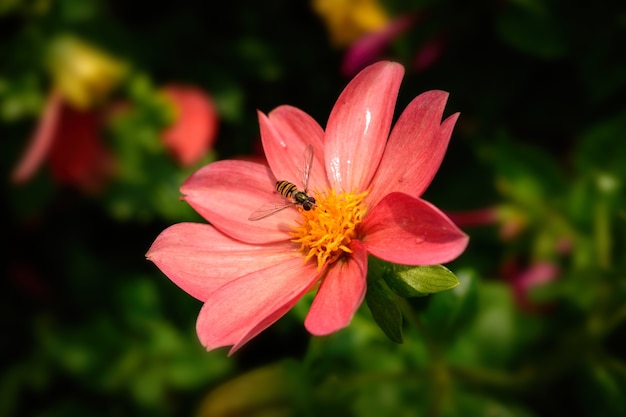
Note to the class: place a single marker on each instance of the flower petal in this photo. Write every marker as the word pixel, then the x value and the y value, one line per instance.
pixel 227 192
pixel 340 294
pixel 243 308
pixel 286 132
pixel 200 259
pixel 407 230
pixel 416 147
pixel 41 140
pixel 358 126
pixel 193 132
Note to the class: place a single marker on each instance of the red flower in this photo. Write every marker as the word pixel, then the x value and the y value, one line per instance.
pixel 367 184
pixel 194 129
pixel 69 140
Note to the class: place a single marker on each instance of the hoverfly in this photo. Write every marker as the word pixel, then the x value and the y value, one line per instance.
pixel 290 191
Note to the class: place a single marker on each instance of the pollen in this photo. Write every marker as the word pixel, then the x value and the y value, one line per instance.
pixel 325 232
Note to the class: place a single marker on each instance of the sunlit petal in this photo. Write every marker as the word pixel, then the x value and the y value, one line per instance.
pixel 359 124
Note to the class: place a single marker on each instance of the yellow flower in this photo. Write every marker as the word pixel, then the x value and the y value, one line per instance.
pixel 347 20
pixel 82 73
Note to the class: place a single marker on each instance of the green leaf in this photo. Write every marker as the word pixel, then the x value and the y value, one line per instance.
pixel 416 281
pixel 384 310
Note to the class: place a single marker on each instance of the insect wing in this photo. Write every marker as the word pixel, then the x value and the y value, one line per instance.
pixel 267 210
pixel 308 162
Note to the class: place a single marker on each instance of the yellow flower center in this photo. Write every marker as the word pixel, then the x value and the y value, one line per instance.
pixel 325 231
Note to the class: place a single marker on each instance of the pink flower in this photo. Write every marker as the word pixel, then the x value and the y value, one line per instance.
pixel 367 184
pixel 193 132
pixel 525 278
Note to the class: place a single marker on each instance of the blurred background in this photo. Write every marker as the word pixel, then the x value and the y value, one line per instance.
pixel 107 106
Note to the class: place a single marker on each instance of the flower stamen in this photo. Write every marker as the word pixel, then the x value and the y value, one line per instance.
pixel 326 231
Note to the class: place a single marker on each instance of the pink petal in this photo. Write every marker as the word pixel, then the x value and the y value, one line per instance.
pixel 407 230
pixel 193 132
pixel 340 294
pixel 358 126
pixel 243 308
pixel 286 133
pixel 200 259
pixel 41 140
pixel 227 192
pixel 416 147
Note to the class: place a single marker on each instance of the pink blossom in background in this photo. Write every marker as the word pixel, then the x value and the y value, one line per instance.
pixel 477 217
pixel 510 220
pixel 367 180
pixel 192 134
pixel 523 279
pixel 369 48
pixel 69 140
pixel 41 141
pixel 67 134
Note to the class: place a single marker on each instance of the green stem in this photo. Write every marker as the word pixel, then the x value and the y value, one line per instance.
pixel 602 233
pixel 494 380
pixel 441 381
pixel 416 322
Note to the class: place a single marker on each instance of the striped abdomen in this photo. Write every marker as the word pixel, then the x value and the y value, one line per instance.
pixel 286 188
pixel 289 190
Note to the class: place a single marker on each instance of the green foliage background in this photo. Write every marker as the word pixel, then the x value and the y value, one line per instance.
pixel 91 328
